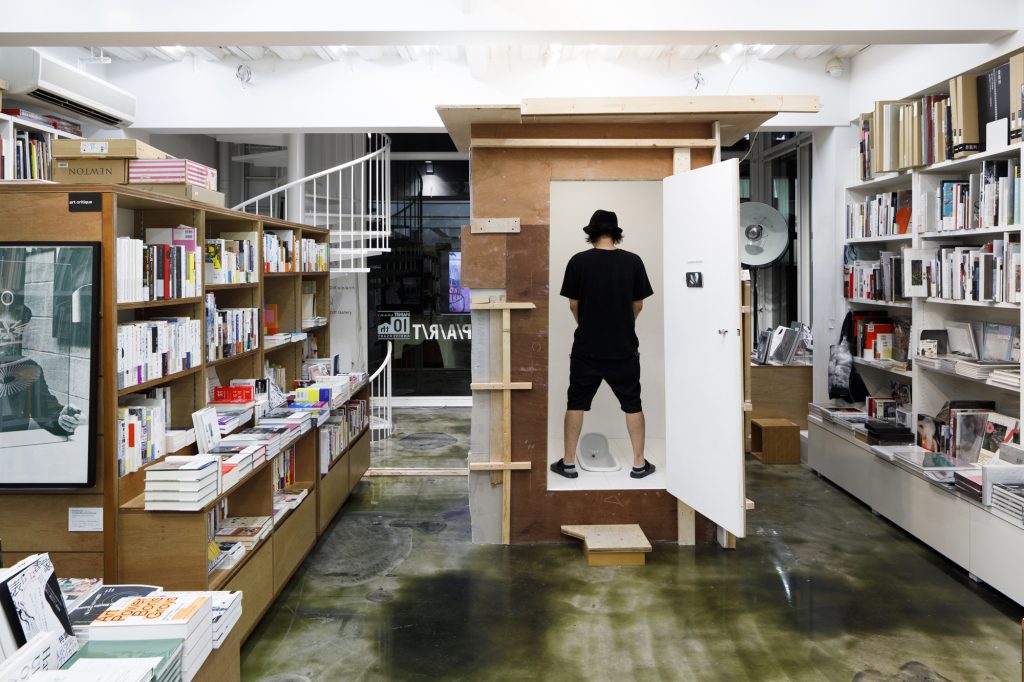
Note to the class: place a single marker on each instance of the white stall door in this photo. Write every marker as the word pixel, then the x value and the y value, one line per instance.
pixel 703 377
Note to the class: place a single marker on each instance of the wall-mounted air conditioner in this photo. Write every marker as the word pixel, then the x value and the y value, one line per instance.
pixel 39 79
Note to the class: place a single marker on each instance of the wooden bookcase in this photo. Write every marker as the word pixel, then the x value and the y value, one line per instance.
pixel 169 548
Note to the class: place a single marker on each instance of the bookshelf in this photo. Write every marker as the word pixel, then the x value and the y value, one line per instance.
pixel 978 538
pixel 170 548
pixel 10 127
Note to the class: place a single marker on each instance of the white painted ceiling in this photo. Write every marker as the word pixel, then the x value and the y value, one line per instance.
pixel 469 53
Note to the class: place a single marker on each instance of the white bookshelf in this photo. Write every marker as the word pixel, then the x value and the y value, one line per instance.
pixel 9 127
pixel 965 531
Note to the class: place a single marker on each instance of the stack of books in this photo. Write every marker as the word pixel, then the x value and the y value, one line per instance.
pixel 227 609
pixel 281 338
pixel 968 483
pixel 1009 498
pixel 1005 378
pixel 279 251
pixel 182 483
pixel 164 267
pixel 313 255
pixel 286 500
pixel 257 454
pixel 236 463
pixel 273 438
pixel 230 331
pixel 174 615
pixel 285 415
pixel 106 655
pixel 99 600
pixel 942 363
pixel 980 369
pixel 227 555
pixel 318 411
pixel 245 530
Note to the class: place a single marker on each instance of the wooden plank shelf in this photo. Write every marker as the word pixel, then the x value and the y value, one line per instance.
pixel 232 358
pixel 153 383
pixel 315 273
pixel 314 327
pixel 233 286
pixel 164 303
pixel 281 274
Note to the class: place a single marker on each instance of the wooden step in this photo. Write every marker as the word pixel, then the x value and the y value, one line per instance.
pixel 612 544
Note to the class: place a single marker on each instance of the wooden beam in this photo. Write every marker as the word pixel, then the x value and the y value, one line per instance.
pixel 506 418
pixel 481 304
pixel 494 226
pixel 500 466
pixel 592 143
pixel 747 406
pixel 700 104
pixel 726 539
pixel 499 386
pixel 686 518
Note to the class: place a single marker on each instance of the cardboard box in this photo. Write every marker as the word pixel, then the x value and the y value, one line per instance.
pixel 189 192
pixel 172 172
pixel 82 171
pixel 106 149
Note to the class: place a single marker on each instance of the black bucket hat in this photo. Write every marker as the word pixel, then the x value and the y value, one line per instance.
pixel 603 222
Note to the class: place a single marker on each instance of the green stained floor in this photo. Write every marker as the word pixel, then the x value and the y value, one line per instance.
pixel 819 590
pixel 425 437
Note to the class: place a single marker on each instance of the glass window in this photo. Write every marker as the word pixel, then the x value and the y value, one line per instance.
pixel 416 298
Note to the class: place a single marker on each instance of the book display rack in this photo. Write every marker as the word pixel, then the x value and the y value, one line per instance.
pixel 931 247
pixel 171 548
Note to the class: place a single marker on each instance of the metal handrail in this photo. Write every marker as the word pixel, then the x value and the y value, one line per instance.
pixel 356 211
pixel 381 424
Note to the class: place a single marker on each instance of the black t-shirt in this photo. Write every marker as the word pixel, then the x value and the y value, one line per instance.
pixel 606 282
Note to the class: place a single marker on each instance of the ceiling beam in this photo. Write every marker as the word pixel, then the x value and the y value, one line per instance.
pixel 569 22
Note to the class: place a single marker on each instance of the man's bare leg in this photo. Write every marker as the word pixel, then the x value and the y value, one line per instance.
pixel 636 426
pixel 573 426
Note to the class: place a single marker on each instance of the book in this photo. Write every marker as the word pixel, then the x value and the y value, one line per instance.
pixel 168 652
pixel 32 603
pixel 207 428
pixel 999 429
pixel 75 589
pixel 97 601
pixel 41 652
pixel 158 616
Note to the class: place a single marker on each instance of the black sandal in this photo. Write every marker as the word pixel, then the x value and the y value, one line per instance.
pixel 559 468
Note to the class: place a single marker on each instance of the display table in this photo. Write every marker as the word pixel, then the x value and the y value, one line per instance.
pixel 223 664
pixel 979 539
pixel 780 391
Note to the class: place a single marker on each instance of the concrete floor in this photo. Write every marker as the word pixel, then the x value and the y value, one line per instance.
pixel 425 437
pixel 819 590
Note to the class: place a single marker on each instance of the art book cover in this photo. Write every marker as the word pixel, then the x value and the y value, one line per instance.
pixel 999 429
pixel 33 603
pixel 103 598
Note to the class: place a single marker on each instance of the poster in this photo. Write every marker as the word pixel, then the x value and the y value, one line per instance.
pixel 458 296
pixel 48 364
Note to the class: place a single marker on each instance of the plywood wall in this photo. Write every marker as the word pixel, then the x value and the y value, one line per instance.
pixel 516 183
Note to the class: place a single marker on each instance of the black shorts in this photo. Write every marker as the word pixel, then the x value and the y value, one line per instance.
pixel 622 376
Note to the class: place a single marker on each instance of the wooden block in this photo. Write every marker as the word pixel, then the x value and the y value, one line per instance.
pixel 686 518
pixel 619 537
pixel 480 304
pixel 615 558
pixel 499 386
pixel 494 226
pixel 498 466
pixel 725 539
pixel 775 441
pixel 749 505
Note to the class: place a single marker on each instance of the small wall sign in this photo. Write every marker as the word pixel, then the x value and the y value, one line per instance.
pixel 695 280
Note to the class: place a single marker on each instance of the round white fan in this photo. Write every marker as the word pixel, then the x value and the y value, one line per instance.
pixel 764 235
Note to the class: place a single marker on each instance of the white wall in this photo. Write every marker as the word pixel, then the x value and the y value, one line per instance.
pixel 199 148
pixel 638 206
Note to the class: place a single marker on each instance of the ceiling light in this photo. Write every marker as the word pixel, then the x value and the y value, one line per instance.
pixel 429 167
pixel 835 67
pixel 731 52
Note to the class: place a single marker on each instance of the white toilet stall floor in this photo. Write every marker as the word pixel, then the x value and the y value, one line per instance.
pixel 616 480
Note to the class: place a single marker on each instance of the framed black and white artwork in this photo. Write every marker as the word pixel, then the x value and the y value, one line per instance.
pixel 49 361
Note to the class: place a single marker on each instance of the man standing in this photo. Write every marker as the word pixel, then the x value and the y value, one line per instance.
pixel 606 287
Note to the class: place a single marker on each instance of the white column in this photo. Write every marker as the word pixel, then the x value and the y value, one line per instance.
pixel 296 171
pixel 828 204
